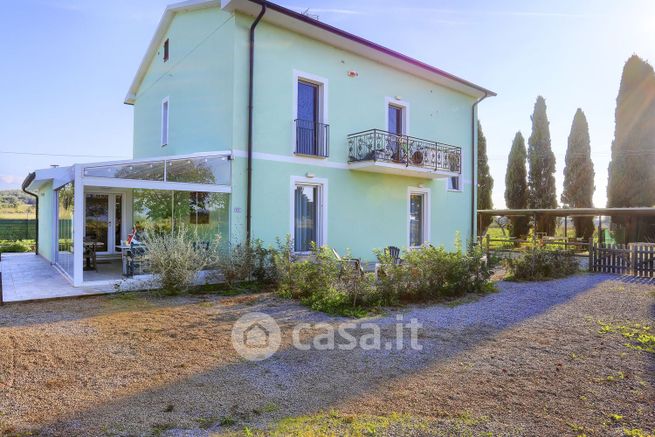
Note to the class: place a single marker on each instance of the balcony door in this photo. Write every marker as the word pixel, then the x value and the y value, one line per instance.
pixel 397 129
pixel 103 220
pixel 307 123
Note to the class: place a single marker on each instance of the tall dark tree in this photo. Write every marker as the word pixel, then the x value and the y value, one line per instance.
pixel 485 181
pixel 516 184
pixel 541 159
pixel 631 179
pixel 579 174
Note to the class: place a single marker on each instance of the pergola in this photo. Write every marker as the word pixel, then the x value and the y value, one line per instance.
pixel 569 212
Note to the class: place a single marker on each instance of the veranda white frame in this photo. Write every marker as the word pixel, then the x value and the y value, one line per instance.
pixel 93 183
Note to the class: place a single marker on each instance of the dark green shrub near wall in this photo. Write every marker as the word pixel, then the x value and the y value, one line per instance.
pixel 432 273
pixel 16 246
pixel 540 264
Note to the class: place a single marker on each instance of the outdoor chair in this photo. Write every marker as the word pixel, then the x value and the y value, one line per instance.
pixel 136 259
pixel 355 263
pixel 90 255
pixel 394 252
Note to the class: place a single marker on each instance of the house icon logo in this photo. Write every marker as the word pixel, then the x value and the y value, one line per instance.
pixel 256 336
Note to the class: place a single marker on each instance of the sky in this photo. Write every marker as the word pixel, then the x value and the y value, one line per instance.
pixel 67 65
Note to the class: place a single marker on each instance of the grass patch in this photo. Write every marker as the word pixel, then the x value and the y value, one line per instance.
pixel 336 423
pixel 640 336
pixel 636 432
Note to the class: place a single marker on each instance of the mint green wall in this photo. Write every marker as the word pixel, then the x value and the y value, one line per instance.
pixel 198 79
pixel 207 81
pixel 46 220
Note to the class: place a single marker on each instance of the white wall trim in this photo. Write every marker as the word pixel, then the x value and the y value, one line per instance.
pixel 323 115
pixel 303 160
pixel 323 198
pixel 403 104
pixel 427 213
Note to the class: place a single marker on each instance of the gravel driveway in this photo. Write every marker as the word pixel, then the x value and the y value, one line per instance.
pixel 527 360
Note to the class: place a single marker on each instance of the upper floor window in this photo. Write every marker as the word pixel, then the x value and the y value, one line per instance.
pixel 454 183
pixel 166 52
pixel 164 121
pixel 311 132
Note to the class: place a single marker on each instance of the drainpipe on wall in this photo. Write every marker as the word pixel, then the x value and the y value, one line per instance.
pixel 28 180
pixel 250 121
pixel 474 183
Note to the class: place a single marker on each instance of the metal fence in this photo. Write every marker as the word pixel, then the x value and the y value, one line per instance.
pixel 17 229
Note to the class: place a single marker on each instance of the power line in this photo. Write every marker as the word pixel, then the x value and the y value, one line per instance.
pixel 61 155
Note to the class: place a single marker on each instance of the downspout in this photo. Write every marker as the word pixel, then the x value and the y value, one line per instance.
pixel 474 184
pixel 28 180
pixel 250 121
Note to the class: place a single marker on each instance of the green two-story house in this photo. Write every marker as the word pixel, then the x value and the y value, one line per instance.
pixel 252 120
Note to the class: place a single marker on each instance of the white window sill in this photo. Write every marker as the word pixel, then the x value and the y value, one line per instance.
pixel 303 155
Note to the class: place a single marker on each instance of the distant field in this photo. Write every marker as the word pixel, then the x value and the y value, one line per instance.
pixel 17 220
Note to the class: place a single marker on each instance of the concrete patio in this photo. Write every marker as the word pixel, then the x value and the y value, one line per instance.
pixel 26 276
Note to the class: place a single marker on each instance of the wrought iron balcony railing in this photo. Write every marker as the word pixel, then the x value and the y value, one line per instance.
pixel 312 138
pixel 379 145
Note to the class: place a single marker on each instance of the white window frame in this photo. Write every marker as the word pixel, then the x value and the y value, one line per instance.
pixel 426 214
pixel 404 105
pixel 165 121
pixel 322 105
pixel 449 187
pixel 322 228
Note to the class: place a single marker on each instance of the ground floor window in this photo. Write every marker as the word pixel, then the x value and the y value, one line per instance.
pixel 307 216
pixel 418 218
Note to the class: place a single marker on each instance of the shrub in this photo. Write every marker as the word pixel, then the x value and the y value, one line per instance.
pixel 540 264
pixel 248 262
pixel 176 257
pixel 15 246
pixel 429 273
pixel 322 282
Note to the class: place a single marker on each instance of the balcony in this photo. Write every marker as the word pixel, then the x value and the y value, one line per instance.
pixel 312 138
pixel 380 151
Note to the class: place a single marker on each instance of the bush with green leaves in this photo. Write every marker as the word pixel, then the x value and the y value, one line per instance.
pixel 540 264
pixel 7 246
pixel 322 282
pixel 430 273
pixel 176 257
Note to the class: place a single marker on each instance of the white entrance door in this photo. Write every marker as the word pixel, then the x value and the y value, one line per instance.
pixel 103 220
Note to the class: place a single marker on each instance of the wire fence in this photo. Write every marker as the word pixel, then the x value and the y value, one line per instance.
pixel 17 229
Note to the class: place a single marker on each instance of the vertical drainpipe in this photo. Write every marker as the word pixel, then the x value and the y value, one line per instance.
pixel 26 183
pixel 474 183
pixel 250 121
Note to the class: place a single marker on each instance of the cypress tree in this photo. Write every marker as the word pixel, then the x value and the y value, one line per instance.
pixel 541 176
pixel 579 174
pixel 631 177
pixel 631 180
pixel 516 184
pixel 485 181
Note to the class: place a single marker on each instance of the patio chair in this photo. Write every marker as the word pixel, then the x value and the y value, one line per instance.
pixel 136 259
pixel 90 255
pixel 394 252
pixel 355 263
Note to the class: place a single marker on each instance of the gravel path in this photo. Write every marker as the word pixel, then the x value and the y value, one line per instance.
pixel 527 360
